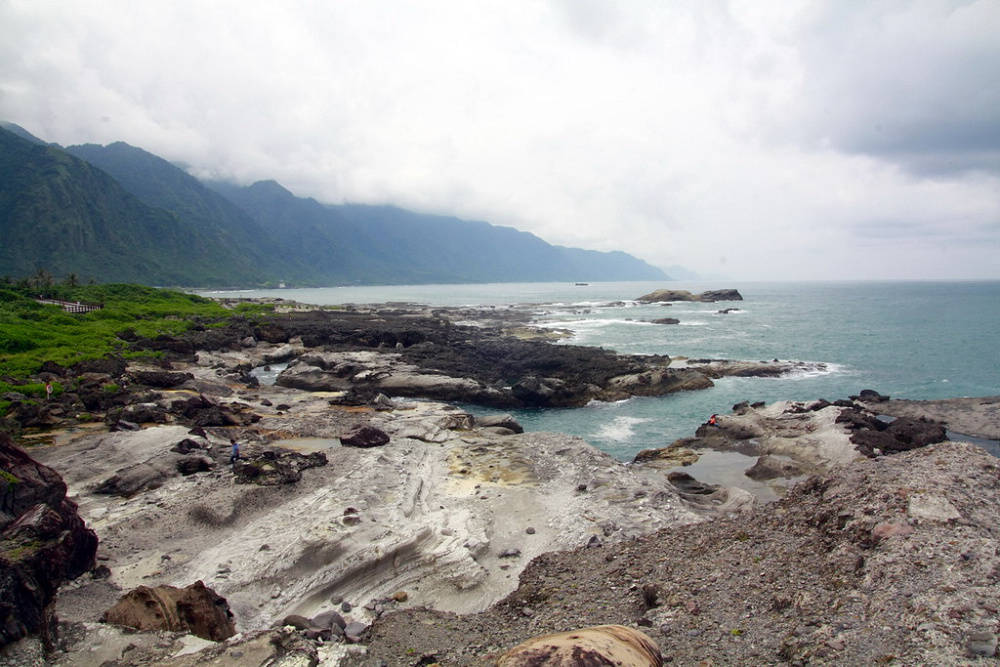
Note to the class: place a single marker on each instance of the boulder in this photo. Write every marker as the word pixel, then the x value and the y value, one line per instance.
pixel 901 435
pixel 311 378
pixel 870 396
pixel 672 456
pixel 720 295
pixel 543 392
pixel 772 467
pixel 667 320
pixel 196 609
pixel 189 465
pixel 598 645
pixel 160 379
pixel 128 481
pixel 499 421
pixel 186 446
pixel 283 353
pixel 43 543
pixel 365 436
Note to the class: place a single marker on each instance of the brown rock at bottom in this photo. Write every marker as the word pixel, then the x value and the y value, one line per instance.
pixel 598 645
pixel 196 609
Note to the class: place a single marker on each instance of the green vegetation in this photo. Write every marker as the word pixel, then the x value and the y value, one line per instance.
pixel 32 333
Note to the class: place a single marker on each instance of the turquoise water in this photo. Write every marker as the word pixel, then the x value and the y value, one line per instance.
pixel 914 340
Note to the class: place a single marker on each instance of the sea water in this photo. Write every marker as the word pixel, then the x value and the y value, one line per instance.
pixel 917 340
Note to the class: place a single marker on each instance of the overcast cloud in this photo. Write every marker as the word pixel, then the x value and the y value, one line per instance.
pixel 754 140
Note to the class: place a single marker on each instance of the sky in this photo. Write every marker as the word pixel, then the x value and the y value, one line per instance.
pixel 787 140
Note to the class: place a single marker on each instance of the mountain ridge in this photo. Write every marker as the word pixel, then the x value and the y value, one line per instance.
pixel 208 234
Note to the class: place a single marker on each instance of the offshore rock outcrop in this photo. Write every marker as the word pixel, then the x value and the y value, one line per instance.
pixel 43 543
pixel 711 296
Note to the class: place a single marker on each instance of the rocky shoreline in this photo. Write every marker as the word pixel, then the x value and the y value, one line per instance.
pixel 364 526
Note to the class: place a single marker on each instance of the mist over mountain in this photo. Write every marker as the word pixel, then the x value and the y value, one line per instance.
pixel 117 212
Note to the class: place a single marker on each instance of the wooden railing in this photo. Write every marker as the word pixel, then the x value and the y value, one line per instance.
pixel 72 306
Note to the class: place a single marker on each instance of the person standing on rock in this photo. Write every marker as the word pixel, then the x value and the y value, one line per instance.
pixel 235 455
pixel 48 391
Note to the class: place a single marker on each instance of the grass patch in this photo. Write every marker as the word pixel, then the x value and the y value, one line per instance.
pixel 32 333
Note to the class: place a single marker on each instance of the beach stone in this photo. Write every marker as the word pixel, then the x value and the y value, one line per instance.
pixel 354 632
pixel 981 644
pixel 329 619
pixel 598 645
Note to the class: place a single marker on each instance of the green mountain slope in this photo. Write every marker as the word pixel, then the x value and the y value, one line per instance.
pixel 64 215
pixel 119 213
pixel 219 228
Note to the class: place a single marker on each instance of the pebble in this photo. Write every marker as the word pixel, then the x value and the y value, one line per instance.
pixel 982 643
pixel 529 530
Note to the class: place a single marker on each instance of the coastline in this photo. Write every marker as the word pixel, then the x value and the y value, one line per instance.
pixel 441 511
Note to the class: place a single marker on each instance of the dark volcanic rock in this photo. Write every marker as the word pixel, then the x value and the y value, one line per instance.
pixel 273 468
pixel 365 436
pixel 667 295
pixel 43 543
pixel 160 379
pixel 667 320
pixel 194 463
pixel 546 392
pixel 186 446
pixel 196 609
pixel 870 433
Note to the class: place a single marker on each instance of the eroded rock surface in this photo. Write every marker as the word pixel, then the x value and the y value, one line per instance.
pixel 196 609
pixel 811 578
pixel 43 543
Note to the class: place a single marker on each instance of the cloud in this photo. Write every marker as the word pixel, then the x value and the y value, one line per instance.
pixel 786 138
pixel 911 83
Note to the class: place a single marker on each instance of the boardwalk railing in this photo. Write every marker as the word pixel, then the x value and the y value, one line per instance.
pixel 72 306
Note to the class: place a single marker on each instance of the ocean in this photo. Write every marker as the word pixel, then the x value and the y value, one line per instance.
pixel 917 340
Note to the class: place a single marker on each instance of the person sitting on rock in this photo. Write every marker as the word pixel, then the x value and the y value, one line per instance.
pixel 713 420
pixel 234 457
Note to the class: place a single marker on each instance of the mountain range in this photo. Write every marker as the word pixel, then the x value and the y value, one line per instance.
pixel 117 213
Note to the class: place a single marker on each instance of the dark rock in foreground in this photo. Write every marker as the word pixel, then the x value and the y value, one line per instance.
pixel 43 543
